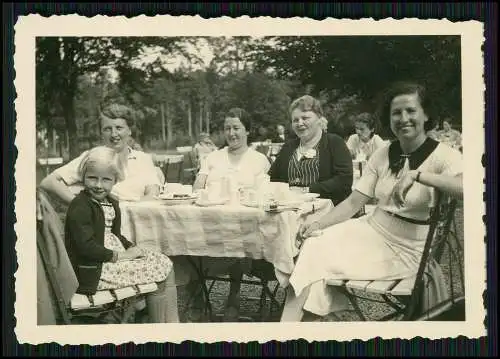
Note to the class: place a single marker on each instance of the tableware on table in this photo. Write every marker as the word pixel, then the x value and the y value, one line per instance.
pixel 310 196
pixel 299 190
pixel 177 188
pixel 206 198
pixel 176 199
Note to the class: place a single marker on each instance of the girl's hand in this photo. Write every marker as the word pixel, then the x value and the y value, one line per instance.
pixel 131 253
pixel 135 252
pixel 402 188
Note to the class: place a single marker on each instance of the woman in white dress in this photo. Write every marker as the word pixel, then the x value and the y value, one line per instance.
pixel 245 167
pixel 387 244
pixel 365 141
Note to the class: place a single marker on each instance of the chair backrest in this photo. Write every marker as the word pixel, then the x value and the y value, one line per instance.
pixel 160 174
pixel 59 272
pixel 441 215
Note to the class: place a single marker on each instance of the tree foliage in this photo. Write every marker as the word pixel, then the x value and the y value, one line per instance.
pixel 74 76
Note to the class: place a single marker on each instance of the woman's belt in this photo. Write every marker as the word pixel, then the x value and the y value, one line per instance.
pixel 409 220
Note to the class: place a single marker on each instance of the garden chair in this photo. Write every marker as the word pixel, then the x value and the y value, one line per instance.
pixel 194 166
pixel 57 282
pixel 170 160
pixel 406 296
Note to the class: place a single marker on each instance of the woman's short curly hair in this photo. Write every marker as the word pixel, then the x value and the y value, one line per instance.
pixel 242 115
pixel 307 103
pixel 115 110
pixel 367 118
pixel 405 88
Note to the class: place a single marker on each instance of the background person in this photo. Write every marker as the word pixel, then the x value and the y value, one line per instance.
pixel 365 141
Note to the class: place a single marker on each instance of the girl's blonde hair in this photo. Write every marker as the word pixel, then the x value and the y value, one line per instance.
pixel 102 155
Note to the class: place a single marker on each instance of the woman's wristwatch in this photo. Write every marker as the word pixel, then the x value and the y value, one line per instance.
pixel 417 179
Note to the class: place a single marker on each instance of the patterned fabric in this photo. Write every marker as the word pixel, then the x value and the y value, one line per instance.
pixel 304 171
pixel 154 267
pixel 219 231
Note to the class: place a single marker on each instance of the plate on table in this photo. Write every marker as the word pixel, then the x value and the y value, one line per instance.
pixel 309 196
pixel 174 199
pixel 253 204
pixel 298 199
pixel 202 203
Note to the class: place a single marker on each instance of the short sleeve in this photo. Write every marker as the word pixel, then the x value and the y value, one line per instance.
pixel 366 184
pixel 69 172
pixel 351 143
pixel 150 170
pixel 452 161
pixel 205 164
pixel 379 142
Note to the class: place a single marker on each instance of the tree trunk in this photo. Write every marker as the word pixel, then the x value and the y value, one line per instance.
pixel 190 121
pixel 163 123
pixel 201 117
pixel 54 141
pixel 207 119
pixel 169 126
pixel 69 118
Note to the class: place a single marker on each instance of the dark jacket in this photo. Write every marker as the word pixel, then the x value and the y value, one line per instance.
pixel 335 167
pixel 84 240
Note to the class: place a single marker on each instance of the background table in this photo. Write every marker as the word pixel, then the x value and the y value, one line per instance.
pixel 220 231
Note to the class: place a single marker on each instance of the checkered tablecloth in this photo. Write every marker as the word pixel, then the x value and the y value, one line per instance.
pixel 219 231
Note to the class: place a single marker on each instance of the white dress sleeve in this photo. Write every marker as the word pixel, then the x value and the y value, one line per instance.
pixel 205 164
pixel 366 184
pixel 70 172
pixel 451 161
pixel 150 174
pixel 351 143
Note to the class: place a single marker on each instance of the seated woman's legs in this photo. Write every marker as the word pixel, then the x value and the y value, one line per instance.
pixel 293 309
pixel 162 304
pixel 232 310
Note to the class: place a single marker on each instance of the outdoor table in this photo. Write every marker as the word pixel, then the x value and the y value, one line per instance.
pixel 226 231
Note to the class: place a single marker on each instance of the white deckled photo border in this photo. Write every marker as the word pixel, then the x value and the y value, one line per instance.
pixel 473 114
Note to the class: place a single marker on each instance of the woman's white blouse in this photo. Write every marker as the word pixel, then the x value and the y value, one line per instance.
pixel 378 182
pixel 251 165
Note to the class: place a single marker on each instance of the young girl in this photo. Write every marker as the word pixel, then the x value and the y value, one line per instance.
pixel 365 141
pixel 104 259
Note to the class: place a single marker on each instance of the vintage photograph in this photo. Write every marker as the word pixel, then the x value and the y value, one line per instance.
pixel 249 178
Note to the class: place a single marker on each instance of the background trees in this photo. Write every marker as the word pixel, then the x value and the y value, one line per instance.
pixel 172 104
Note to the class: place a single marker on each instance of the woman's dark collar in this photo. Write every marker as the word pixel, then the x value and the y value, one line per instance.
pixel 415 158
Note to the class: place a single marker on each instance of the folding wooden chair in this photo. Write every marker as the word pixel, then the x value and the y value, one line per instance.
pixel 57 280
pixel 405 296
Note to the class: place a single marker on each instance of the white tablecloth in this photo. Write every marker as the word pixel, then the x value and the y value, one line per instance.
pixel 219 231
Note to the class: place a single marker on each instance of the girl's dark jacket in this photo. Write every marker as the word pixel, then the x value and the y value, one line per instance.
pixel 335 167
pixel 84 239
